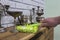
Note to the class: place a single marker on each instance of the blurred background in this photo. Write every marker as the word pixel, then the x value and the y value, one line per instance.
pixel 51 9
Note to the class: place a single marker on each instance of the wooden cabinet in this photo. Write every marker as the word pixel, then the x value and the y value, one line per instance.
pixel 47 35
pixel 43 34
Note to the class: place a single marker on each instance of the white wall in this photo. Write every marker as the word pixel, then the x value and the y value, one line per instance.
pixel 52 9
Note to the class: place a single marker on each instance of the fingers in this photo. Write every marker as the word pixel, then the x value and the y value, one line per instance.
pixel 44 25
pixel 44 22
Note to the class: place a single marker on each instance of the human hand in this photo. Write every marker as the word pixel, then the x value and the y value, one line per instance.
pixel 49 22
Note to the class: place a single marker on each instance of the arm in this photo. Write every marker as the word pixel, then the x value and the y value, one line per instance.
pixel 50 22
pixel 58 19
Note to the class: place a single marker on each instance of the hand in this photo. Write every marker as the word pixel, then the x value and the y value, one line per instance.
pixel 49 22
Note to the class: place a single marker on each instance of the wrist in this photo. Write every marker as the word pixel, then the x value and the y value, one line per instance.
pixel 57 19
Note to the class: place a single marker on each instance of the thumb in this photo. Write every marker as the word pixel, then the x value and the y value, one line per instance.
pixel 43 21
